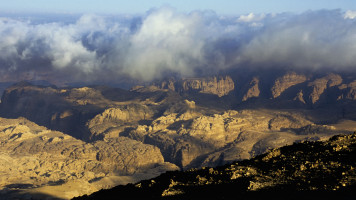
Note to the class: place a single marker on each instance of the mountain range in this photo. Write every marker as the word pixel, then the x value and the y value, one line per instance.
pixel 71 141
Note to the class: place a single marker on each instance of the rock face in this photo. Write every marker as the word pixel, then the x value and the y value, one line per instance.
pixel 348 91
pixel 320 170
pixel 185 132
pixel 112 121
pixel 191 139
pixel 287 121
pixel 65 110
pixel 286 81
pixel 307 89
pixel 220 86
pixel 176 124
pixel 170 84
pixel 351 93
pixel 33 156
pixel 300 97
pixel 253 89
pixel 320 85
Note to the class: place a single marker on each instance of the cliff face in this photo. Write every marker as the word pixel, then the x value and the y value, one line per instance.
pixel 186 132
pixel 319 86
pixel 65 110
pixel 286 81
pixel 220 86
pixel 348 91
pixel 112 121
pixel 310 90
pixel 253 89
pixel 194 140
pixel 185 123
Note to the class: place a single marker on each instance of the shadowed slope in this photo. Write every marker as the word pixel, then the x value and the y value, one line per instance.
pixel 305 170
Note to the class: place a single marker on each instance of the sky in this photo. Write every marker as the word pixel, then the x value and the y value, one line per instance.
pixel 224 7
pixel 97 41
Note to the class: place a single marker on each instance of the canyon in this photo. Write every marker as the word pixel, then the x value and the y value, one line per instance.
pixel 83 139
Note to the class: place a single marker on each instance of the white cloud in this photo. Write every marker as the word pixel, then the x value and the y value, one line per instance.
pixel 310 40
pixel 251 17
pixel 350 14
pixel 166 41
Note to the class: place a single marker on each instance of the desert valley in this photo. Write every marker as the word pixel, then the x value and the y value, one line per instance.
pixel 215 101
pixel 65 142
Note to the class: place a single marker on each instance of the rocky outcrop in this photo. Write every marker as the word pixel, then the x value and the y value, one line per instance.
pixel 287 122
pixel 128 113
pixel 348 91
pixel 65 110
pixel 351 91
pixel 33 156
pixel 300 97
pixel 308 170
pixel 253 89
pixel 286 81
pixel 318 86
pixel 112 121
pixel 170 84
pixel 220 86
pixel 129 131
pixel 192 139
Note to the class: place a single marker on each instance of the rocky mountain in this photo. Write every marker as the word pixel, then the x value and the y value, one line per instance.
pixel 301 89
pixel 187 134
pixel 253 89
pixel 220 86
pixel 286 81
pixel 178 123
pixel 34 158
pixel 191 139
pixel 308 170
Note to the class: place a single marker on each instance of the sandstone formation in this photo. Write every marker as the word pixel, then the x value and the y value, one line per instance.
pixel 65 110
pixel 286 81
pixel 115 120
pixel 348 91
pixel 220 86
pixel 312 90
pixel 300 97
pixel 33 157
pixel 253 89
pixel 200 122
pixel 170 84
pixel 351 93
pixel 320 85
pixel 287 121
pixel 187 133
pixel 307 170
pixel 190 139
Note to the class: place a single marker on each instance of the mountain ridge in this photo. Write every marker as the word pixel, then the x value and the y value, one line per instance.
pixel 183 123
pixel 303 170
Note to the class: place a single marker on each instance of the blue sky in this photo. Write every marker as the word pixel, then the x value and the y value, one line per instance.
pixel 228 7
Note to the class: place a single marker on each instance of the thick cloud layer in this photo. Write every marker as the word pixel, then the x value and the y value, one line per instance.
pixel 163 42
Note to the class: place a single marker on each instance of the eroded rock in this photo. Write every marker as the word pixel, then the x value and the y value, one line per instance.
pixel 288 80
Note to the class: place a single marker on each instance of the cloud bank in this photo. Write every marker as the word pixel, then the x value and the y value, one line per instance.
pixel 164 41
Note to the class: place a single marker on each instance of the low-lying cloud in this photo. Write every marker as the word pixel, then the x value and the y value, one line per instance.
pixel 164 41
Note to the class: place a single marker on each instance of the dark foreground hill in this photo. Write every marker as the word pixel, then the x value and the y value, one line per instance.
pixel 306 170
